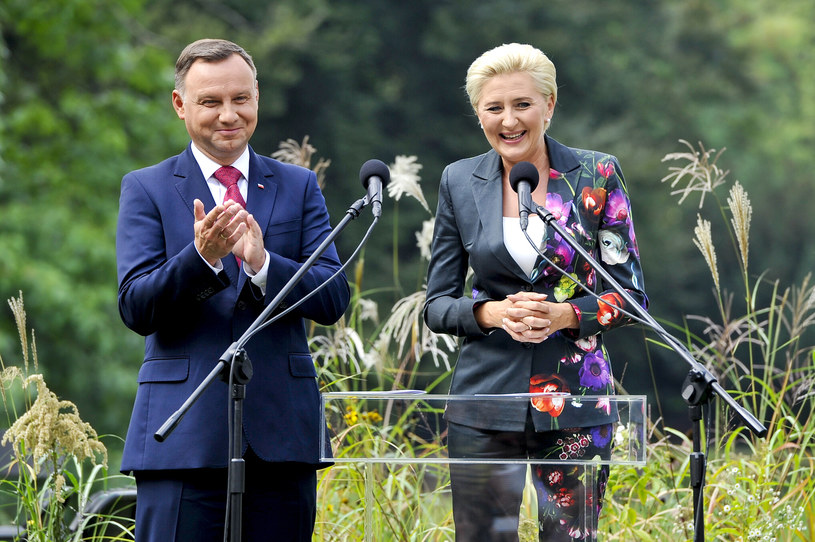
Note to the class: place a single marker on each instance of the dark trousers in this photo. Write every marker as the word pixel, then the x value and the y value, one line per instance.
pixel 190 505
pixel 487 496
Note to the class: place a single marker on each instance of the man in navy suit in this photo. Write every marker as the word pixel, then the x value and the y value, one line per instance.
pixel 198 261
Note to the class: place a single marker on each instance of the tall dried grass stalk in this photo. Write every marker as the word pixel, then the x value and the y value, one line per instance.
pixel 704 242
pixel 405 180
pixel 292 152
pixel 742 213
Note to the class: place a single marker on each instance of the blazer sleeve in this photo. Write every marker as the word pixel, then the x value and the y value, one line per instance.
pixel 157 289
pixel 617 250
pixel 447 309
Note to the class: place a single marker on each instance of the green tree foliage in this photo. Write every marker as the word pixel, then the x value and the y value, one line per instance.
pixel 85 100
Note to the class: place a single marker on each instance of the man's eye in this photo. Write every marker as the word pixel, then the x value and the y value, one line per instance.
pixel 241 100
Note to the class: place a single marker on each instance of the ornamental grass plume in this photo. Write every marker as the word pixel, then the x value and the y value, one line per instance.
pixel 406 328
pixel 48 436
pixel 424 238
pixel 742 212
pixel 292 152
pixel 405 180
pixel 704 242
pixel 51 428
pixel 701 172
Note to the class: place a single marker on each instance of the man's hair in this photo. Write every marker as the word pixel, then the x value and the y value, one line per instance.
pixel 207 50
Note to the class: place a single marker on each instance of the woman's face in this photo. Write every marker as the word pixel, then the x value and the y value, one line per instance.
pixel 512 113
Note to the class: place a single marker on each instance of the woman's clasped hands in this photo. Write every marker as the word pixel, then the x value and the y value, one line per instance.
pixel 527 316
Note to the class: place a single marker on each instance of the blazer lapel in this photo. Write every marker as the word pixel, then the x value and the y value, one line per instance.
pixel 262 190
pixel 563 181
pixel 191 185
pixel 487 187
pixel 567 171
pixel 260 196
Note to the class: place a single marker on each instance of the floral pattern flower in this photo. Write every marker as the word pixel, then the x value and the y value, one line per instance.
pixel 618 208
pixel 548 384
pixel 613 249
pixel 565 288
pixel 595 373
pixel 608 310
pixel 559 209
pixel 604 404
pixel 572 359
pixel 605 169
pixel 602 434
pixel 594 200
pixel 587 344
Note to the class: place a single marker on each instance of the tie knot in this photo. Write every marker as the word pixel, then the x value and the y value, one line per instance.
pixel 227 175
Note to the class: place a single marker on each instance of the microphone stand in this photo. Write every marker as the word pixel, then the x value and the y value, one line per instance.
pixel 699 385
pixel 235 362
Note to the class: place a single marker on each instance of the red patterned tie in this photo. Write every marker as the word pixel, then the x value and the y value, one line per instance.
pixel 228 176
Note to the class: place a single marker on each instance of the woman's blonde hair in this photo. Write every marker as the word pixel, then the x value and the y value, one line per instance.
pixel 511 58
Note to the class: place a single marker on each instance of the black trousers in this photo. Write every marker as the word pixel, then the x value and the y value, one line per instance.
pixel 487 496
pixel 190 505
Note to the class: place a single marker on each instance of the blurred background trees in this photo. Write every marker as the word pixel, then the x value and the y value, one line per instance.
pixel 85 97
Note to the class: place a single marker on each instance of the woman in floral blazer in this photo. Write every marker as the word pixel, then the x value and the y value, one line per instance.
pixel 527 326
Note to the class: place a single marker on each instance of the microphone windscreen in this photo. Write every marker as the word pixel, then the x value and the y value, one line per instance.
pixel 373 168
pixel 524 171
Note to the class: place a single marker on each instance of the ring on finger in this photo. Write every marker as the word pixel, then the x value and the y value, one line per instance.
pixel 529 326
pixel 222 236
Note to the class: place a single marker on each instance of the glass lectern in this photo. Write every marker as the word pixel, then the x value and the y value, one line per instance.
pixel 391 479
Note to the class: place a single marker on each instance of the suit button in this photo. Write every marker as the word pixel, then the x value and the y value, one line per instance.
pixel 528 287
pixel 528 345
pixel 242 305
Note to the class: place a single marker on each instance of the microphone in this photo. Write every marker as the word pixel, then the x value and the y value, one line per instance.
pixel 524 178
pixel 375 176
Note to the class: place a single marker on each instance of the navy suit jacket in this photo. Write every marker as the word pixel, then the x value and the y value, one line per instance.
pixel 190 315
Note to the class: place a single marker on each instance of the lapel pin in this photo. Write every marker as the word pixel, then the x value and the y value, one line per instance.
pixel 260 186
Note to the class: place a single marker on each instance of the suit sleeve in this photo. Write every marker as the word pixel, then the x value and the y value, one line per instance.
pixel 329 304
pixel 156 290
pixel 447 309
pixel 617 253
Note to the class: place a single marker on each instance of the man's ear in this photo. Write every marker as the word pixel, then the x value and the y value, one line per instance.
pixel 178 104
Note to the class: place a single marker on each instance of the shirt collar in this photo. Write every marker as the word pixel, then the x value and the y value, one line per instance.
pixel 209 166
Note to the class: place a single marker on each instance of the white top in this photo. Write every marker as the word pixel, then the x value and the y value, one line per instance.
pixel 517 244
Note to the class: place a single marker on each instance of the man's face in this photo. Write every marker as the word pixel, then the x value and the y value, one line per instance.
pixel 219 107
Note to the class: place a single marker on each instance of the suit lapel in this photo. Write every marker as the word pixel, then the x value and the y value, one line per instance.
pixel 260 196
pixel 487 187
pixel 567 167
pixel 262 191
pixel 563 181
pixel 191 185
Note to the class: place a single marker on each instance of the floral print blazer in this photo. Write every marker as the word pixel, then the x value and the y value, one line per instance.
pixel 588 197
